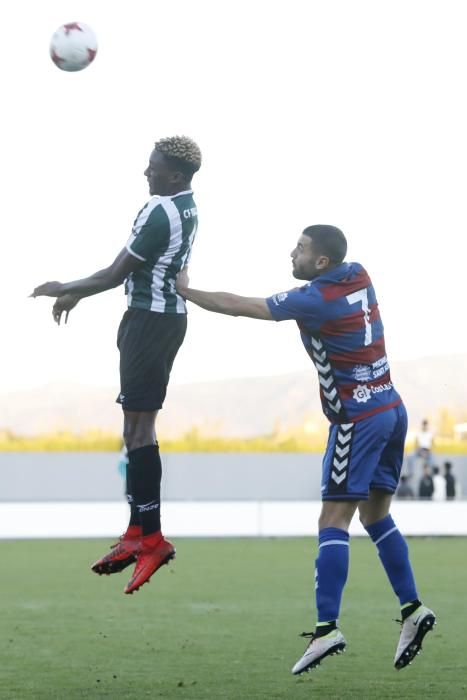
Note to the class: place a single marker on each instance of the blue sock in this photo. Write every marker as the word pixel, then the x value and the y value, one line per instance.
pixel 332 566
pixel 394 555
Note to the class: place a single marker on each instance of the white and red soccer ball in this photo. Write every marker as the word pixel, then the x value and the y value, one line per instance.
pixel 73 46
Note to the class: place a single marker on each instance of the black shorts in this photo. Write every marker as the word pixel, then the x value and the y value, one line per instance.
pixel 148 342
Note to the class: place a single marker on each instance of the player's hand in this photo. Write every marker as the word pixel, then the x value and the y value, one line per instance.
pixel 64 304
pixel 49 289
pixel 182 281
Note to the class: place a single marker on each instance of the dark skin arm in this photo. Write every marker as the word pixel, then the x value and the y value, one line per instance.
pixel 70 293
pixel 64 304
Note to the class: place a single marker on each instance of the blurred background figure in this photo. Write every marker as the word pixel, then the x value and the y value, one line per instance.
pixel 424 443
pixel 450 481
pixel 439 485
pixel 426 487
pixel 123 463
pixel 404 490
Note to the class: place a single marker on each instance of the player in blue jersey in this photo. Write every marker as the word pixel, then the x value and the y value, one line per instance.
pixel 340 326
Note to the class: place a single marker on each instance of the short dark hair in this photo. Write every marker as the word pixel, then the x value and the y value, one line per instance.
pixel 328 240
pixel 187 169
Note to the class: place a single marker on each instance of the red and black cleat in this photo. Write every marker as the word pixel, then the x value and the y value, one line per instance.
pixel 123 553
pixel 149 559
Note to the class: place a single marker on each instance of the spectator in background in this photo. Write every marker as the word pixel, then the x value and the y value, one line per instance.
pixel 123 464
pixel 404 490
pixel 424 442
pixel 450 481
pixel 426 487
pixel 439 486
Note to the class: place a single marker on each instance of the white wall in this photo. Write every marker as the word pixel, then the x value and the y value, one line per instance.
pixel 93 476
pixel 215 519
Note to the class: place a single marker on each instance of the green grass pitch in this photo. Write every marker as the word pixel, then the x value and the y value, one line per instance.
pixel 221 622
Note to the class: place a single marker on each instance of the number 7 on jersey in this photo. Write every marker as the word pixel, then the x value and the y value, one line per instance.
pixel 362 297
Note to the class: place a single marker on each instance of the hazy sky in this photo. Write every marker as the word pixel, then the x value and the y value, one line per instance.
pixel 345 112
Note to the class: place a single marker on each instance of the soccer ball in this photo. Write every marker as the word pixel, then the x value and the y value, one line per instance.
pixel 73 46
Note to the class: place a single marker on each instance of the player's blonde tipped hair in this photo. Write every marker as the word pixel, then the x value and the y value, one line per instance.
pixel 185 152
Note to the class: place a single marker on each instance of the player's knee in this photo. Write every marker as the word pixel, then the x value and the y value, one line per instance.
pixel 367 519
pixel 135 440
pixel 131 433
pixel 363 513
pixel 337 514
pixel 333 520
pixel 128 433
pixel 138 432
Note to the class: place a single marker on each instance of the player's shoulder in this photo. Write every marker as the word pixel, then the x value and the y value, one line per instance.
pixel 306 293
pixel 185 204
pixel 347 275
pixel 343 271
pixel 153 213
pixel 177 206
pixel 358 276
pixel 148 207
pixel 355 268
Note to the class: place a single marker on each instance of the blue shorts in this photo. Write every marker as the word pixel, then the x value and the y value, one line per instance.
pixel 364 455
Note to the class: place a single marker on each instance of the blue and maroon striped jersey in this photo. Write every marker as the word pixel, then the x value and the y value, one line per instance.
pixel 341 329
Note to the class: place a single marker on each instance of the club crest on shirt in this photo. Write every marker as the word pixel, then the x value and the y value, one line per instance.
pixel 362 373
pixel 361 393
pixel 278 298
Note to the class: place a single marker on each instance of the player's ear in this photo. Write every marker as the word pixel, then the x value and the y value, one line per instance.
pixel 322 262
pixel 178 177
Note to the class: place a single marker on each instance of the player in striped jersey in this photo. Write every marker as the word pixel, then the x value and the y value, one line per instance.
pixel 340 326
pixel 149 337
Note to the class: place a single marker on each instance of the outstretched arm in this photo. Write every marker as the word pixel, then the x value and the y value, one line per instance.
pixel 100 281
pixel 223 302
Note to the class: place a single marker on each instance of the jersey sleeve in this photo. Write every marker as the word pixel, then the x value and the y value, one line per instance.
pixel 300 304
pixel 150 234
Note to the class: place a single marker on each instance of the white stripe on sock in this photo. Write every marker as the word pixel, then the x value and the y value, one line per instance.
pixel 325 544
pixel 386 534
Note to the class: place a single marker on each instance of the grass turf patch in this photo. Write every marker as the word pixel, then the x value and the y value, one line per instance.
pixel 219 623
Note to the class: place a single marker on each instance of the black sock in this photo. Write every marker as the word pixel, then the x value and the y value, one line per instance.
pixel 410 608
pixel 134 515
pixel 145 479
pixel 321 630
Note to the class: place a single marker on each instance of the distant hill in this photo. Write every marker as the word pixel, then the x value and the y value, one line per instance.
pixel 233 407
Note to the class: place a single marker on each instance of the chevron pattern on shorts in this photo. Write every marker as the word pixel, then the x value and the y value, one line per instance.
pixel 341 456
pixel 326 379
